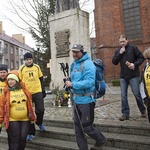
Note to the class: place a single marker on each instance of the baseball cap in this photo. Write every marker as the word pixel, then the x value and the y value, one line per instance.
pixel 77 48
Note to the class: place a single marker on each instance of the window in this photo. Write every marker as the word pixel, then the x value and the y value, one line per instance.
pixel 17 52
pixel 6 49
pixel 11 50
pixel 1 49
pixel 132 20
pixel 17 65
pixel 12 64
pixel 21 52
pixel 6 62
pixel 0 60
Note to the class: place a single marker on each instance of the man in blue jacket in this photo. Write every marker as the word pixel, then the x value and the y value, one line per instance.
pixel 82 75
pixel 130 58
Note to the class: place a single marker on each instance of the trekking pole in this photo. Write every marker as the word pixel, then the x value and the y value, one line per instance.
pixel 75 107
pixel 66 68
pixel 63 68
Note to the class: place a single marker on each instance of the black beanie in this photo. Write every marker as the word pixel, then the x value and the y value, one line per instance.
pixel 27 55
pixel 3 68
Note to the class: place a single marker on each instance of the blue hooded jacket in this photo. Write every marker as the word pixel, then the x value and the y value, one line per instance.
pixel 82 74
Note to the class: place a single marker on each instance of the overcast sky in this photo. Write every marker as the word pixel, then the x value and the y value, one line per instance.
pixel 10 29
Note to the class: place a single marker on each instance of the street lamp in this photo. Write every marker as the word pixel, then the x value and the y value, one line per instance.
pixel 38 52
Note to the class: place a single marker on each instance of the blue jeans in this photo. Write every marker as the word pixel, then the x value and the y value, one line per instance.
pixel 134 84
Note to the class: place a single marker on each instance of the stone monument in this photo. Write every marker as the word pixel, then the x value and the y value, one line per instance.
pixel 69 25
pixel 63 5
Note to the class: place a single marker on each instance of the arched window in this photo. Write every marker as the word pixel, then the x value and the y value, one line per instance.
pixel 132 19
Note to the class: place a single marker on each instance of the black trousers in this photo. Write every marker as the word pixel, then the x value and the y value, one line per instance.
pixel 39 111
pixel 148 113
pixel 17 133
pixel 83 123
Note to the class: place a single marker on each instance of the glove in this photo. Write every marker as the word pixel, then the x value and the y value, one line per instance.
pixel 66 79
pixel 32 122
pixel 44 94
pixel 147 101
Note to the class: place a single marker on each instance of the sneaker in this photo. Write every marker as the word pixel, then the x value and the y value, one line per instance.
pixel 123 118
pixel 30 137
pixel 143 115
pixel 42 128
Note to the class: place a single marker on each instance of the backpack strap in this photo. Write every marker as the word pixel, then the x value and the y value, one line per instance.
pixel 81 65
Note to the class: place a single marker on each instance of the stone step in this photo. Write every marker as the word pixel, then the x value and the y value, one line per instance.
pixel 43 143
pixel 53 135
pixel 125 127
pixel 4 144
pixel 117 140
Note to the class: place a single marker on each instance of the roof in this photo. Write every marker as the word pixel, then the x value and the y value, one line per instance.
pixel 13 41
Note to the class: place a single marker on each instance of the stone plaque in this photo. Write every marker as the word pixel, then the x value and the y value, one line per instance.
pixel 62 43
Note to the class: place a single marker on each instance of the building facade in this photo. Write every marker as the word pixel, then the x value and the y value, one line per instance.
pixel 12 49
pixel 116 17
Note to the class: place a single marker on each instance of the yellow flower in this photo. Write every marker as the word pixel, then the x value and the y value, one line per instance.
pixel 65 96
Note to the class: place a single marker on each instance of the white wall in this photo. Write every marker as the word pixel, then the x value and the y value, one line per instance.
pixel 77 21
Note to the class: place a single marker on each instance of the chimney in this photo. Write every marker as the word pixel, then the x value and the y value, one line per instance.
pixel 1 27
pixel 19 37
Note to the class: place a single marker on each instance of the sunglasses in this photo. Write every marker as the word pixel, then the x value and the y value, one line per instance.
pixel 148 58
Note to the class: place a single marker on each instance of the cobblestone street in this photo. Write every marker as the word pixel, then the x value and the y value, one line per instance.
pixel 109 109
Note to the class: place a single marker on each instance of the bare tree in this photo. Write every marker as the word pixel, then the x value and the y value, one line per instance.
pixel 32 17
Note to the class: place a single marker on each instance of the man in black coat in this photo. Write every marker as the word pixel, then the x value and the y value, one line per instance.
pixel 130 58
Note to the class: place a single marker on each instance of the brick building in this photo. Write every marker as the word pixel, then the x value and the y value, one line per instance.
pixel 116 17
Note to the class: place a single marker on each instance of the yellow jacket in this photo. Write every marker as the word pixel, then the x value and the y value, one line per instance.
pixel 5 102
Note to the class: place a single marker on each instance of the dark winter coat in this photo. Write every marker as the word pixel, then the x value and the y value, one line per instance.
pixel 131 54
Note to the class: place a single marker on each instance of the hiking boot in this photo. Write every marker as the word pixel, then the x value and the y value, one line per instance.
pixel 143 115
pixel 99 146
pixel 30 137
pixel 42 128
pixel 123 118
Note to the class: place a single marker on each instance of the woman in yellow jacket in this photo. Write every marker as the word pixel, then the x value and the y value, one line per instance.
pixel 16 111
pixel 145 82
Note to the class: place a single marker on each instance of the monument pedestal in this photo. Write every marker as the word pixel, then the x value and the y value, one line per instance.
pixel 66 28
